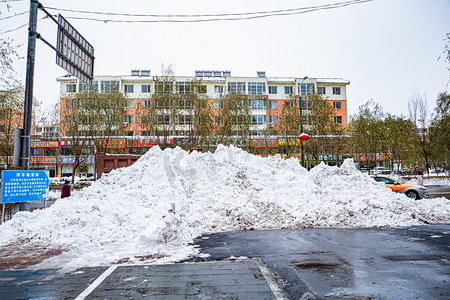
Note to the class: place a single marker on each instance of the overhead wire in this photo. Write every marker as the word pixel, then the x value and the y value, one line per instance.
pixel 206 15
pixel 21 26
pixel 15 15
pixel 215 17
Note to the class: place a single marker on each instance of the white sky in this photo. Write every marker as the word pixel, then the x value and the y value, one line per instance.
pixel 387 49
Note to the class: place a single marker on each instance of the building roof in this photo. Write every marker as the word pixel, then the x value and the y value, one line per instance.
pixel 332 80
pixel 214 79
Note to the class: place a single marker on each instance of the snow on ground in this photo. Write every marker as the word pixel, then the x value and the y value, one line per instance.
pixel 430 180
pixel 125 215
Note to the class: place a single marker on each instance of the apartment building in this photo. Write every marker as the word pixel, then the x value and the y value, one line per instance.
pixel 11 116
pixel 266 95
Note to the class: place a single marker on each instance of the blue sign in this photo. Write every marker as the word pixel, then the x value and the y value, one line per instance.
pixel 24 186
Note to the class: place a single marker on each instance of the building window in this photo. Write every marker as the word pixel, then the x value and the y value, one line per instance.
pixel 218 89
pixel 336 90
pixel 129 88
pixel 273 104
pixel 289 104
pixel 338 120
pixel 129 103
pixel 184 120
pixel 257 104
pixel 202 89
pixel 146 132
pixel 161 103
pixel 108 87
pixel 321 90
pixel 287 90
pixel 256 132
pixel 307 89
pixel 337 105
pixel 145 88
pixel 218 120
pixel 273 120
pixel 163 88
pixel 71 103
pixel 84 88
pixel 145 119
pixel 256 88
pixel 182 87
pixel 307 119
pixel 128 119
pixel 236 88
pixel 273 90
pixel 258 120
pixel 306 104
pixel 128 133
pixel 218 104
pixel 71 88
pixel 202 104
pixel 145 103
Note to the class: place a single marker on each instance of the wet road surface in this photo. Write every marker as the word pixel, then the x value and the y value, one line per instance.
pixel 316 263
pixel 439 191
pixel 404 263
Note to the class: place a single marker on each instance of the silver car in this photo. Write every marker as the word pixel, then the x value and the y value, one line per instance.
pixel 413 191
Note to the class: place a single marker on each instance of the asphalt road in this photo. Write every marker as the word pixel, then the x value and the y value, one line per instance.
pixel 316 263
pixel 439 191
pixel 356 263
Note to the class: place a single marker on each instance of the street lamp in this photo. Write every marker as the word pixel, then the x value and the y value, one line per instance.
pixel 301 117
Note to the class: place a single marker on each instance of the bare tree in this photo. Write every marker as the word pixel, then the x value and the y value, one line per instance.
pixel 91 120
pixel 165 106
pixel 233 119
pixel 288 128
pixel 8 53
pixel 440 129
pixel 367 133
pixel 446 54
pixel 320 125
pixel 11 111
pixel 399 138
pixel 418 114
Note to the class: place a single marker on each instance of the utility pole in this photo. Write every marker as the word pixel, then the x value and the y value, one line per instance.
pixel 302 162
pixel 28 106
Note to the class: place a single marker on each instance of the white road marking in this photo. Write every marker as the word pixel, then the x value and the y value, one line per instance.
pixel 276 289
pixel 96 283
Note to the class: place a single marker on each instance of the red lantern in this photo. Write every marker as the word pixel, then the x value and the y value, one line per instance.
pixel 303 137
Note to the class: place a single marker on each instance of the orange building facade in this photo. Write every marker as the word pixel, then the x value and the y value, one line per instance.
pixel 266 96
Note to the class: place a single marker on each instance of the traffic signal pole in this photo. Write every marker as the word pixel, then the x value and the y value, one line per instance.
pixel 28 105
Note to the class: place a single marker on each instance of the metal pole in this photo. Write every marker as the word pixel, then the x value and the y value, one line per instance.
pixel 301 118
pixel 28 107
pixel 301 127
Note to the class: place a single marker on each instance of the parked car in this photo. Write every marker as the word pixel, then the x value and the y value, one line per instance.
pixel 413 191
pixel 380 170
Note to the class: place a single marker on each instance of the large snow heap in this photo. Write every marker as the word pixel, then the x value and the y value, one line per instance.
pixel 126 214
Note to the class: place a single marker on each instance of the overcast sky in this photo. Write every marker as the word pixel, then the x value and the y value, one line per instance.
pixel 387 49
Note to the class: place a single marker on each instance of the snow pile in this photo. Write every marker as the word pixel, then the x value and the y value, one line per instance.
pixel 125 215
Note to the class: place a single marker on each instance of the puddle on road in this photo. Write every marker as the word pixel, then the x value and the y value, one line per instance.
pixel 319 274
pixel 22 256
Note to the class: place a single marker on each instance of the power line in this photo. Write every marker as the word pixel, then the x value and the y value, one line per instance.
pixel 204 15
pixel 21 26
pixel 216 17
pixel 16 15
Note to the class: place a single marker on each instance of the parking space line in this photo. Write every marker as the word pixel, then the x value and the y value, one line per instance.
pixel 276 289
pixel 96 283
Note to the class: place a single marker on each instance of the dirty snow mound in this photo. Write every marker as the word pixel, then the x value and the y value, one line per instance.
pixel 125 215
